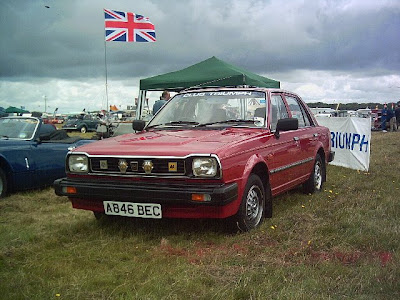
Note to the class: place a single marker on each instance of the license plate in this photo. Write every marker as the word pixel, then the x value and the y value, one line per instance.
pixel 137 210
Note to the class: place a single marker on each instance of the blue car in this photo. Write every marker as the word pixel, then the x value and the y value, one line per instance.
pixel 32 154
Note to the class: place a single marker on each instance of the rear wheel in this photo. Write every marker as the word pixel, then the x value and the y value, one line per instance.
pixel 3 184
pixel 251 210
pixel 316 179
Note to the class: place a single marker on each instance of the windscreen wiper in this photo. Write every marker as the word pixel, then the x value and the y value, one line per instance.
pixel 227 121
pixel 174 123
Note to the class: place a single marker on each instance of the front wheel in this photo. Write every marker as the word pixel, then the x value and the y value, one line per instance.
pixel 251 210
pixel 3 184
pixel 316 179
pixel 83 129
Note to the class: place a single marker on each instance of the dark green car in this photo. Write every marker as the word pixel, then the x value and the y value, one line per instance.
pixel 82 123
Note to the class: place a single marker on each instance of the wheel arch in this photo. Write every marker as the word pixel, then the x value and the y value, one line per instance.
pixel 5 166
pixel 256 165
pixel 260 168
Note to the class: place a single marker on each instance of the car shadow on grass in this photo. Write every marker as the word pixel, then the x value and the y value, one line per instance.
pixel 166 227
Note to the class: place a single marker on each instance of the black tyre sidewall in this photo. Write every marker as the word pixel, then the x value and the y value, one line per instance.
pixel 309 185
pixel 3 179
pixel 241 217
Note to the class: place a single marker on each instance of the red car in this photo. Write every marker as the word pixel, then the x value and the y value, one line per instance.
pixel 208 153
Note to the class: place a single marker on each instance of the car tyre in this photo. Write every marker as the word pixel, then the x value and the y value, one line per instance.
pixel 3 184
pixel 252 208
pixel 83 129
pixel 315 181
pixel 99 215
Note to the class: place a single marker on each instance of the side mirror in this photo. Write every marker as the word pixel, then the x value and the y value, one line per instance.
pixel 286 125
pixel 138 125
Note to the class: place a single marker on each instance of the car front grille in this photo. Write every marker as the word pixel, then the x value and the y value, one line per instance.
pixel 138 166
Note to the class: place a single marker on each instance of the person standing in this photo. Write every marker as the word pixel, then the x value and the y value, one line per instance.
pixel 384 115
pixel 165 96
pixel 397 115
pixel 392 120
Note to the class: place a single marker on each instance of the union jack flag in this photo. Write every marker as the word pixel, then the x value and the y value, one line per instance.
pixel 128 27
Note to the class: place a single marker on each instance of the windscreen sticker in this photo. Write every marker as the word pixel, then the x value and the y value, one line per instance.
pixel 225 93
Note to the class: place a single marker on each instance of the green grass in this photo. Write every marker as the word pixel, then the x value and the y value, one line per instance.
pixel 342 243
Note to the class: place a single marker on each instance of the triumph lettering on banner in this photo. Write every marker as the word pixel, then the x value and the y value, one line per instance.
pixel 351 141
pixel 348 140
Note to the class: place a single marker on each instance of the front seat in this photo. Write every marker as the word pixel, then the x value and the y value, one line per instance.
pixel 219 115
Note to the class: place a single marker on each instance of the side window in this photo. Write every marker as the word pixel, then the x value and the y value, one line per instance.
pixel 297 111
pixel 278 110
pixel 307 119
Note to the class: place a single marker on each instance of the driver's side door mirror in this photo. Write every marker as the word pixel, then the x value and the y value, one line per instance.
pixel 286 125
pixel 138 125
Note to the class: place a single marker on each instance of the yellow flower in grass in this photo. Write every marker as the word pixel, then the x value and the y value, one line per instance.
pixel 273 227
pixel 58 295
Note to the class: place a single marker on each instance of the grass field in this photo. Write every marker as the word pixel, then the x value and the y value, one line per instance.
pixel 342 243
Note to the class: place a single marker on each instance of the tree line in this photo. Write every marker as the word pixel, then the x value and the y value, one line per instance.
pixel 348 106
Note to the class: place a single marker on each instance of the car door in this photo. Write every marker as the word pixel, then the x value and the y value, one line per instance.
pixel 47 160
pixel 307 135
pixel 284 152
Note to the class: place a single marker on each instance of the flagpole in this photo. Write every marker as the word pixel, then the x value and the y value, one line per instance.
pixel 105 64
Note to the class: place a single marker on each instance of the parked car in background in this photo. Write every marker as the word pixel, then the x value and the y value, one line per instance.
pixel 32 153
pixel 82 123
pixel 57 120
pixel 208 153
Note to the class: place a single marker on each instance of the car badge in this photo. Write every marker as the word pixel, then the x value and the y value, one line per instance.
pixel 103 165
pixel 134 166
pixel 148 166
pixel 172 166
pixel 122 165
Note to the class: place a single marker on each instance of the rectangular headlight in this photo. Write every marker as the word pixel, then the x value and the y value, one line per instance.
pixel 78 163
pixel 205 167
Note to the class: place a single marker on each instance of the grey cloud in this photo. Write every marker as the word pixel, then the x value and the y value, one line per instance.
pixel 274 38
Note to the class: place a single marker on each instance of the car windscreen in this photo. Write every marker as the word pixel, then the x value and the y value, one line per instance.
pixel 213 108
pixel 18 128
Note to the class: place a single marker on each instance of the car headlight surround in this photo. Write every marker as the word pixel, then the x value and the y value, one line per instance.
pixel 78 163
pixel 205 167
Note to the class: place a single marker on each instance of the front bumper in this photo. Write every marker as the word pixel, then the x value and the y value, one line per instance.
pixel 331 156
pixel 161 193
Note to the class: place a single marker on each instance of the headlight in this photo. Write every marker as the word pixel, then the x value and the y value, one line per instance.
pixel 78 163
pixel 205 167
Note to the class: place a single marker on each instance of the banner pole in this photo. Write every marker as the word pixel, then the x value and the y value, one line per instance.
pixel 105 64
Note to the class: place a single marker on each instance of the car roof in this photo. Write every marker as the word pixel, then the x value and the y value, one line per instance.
pixel 242 88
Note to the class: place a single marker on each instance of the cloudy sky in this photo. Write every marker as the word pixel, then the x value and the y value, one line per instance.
pixel 53 51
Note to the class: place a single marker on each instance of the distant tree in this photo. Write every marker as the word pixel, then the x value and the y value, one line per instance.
pixel 346 106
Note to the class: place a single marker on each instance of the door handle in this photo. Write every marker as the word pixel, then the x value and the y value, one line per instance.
pixel 315 134
pixel 296 138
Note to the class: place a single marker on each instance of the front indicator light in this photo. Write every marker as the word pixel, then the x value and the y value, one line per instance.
pixel 201 197
pixel 69 190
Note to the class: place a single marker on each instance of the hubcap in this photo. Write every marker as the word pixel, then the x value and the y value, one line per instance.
pixel 253 203
pixel 317 175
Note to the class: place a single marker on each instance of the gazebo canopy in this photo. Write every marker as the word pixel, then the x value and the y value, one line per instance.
pixel 210 72
pixel 12 109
